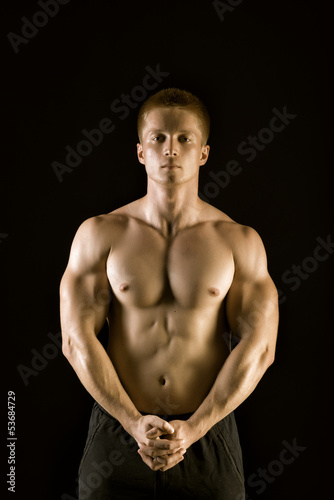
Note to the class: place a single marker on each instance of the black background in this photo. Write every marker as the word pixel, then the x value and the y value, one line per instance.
pixel 263 55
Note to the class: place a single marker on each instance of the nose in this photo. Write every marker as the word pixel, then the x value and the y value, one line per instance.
pixel 170 149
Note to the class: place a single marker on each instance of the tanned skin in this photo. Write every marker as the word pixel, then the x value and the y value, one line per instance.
pixel 183 275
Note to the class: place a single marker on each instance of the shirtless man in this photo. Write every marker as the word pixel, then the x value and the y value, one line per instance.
pixel 182 276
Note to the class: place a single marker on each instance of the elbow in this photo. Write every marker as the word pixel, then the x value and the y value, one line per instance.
pixel 67 347
pixel 66 350
pixel 75 349
pixel 268 358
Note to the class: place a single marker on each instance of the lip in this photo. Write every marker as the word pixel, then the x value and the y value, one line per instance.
pixel 170 166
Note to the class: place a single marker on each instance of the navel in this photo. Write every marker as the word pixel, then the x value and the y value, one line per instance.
pixel 124 287
pixel 213 291
pixel 162 380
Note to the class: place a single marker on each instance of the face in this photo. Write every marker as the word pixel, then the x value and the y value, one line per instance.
pixel 171 147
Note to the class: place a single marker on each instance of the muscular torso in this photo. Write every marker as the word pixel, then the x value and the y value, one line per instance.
pixel 167 319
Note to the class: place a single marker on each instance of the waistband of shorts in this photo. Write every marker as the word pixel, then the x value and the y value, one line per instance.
pixel 168 418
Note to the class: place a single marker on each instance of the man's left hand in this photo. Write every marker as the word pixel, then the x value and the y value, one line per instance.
pixel 164 459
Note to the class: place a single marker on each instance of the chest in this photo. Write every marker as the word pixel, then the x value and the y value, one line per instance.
pixel 193 269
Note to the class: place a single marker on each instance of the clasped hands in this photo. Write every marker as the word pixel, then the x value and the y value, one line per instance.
pixel 162 445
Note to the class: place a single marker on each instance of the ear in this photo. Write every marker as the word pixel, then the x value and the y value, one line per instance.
pixel 140 153
pixel 204 155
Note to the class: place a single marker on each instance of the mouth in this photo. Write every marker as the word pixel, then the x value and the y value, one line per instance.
pixel 170 166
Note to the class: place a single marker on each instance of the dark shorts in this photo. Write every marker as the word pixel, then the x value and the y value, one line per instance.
pixel 111 468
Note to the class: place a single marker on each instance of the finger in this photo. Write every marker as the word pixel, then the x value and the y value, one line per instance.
pixel 155 433
pixel 153 464
pixel 172 460
pixel 158 431
pixel 156 452
pixel 163 444
pixel 161 424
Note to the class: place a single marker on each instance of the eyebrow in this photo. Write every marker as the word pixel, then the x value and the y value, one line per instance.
pixel 160 131
pixel 186 132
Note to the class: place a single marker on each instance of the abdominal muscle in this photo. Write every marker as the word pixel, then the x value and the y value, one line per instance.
pixel 167 358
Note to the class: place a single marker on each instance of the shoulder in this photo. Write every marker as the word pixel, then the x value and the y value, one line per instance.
pixel 101 229
pixel 242 238
pixel 239 237
pixel 209 213
pixel 132 210
pixel 246 246
pixel 107 228
pixel 99 225
pixel 95 238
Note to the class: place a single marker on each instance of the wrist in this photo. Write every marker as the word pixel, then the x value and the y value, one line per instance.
pixel 130 423
pixel 205 417
pixel 199 426
pixel 127 416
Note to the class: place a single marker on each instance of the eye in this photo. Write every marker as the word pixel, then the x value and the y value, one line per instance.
pixel 185 139
pixel 157 138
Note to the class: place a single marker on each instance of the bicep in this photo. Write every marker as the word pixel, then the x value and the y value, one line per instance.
pixel 252 301
pixel 252 306
pixel 84 288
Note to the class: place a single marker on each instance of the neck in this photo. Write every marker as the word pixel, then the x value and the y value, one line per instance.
pixel 171 209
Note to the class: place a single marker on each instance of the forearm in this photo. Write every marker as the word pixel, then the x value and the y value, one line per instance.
pixel 237 379
pixel 252 313
pixel 98 375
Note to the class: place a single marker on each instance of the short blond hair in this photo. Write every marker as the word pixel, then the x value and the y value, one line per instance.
pixel 173 97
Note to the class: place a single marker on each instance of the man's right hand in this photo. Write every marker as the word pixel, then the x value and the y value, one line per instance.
pixel 165 452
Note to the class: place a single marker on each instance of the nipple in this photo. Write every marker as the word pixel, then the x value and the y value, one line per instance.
pixel 124 287
pixel 214 291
